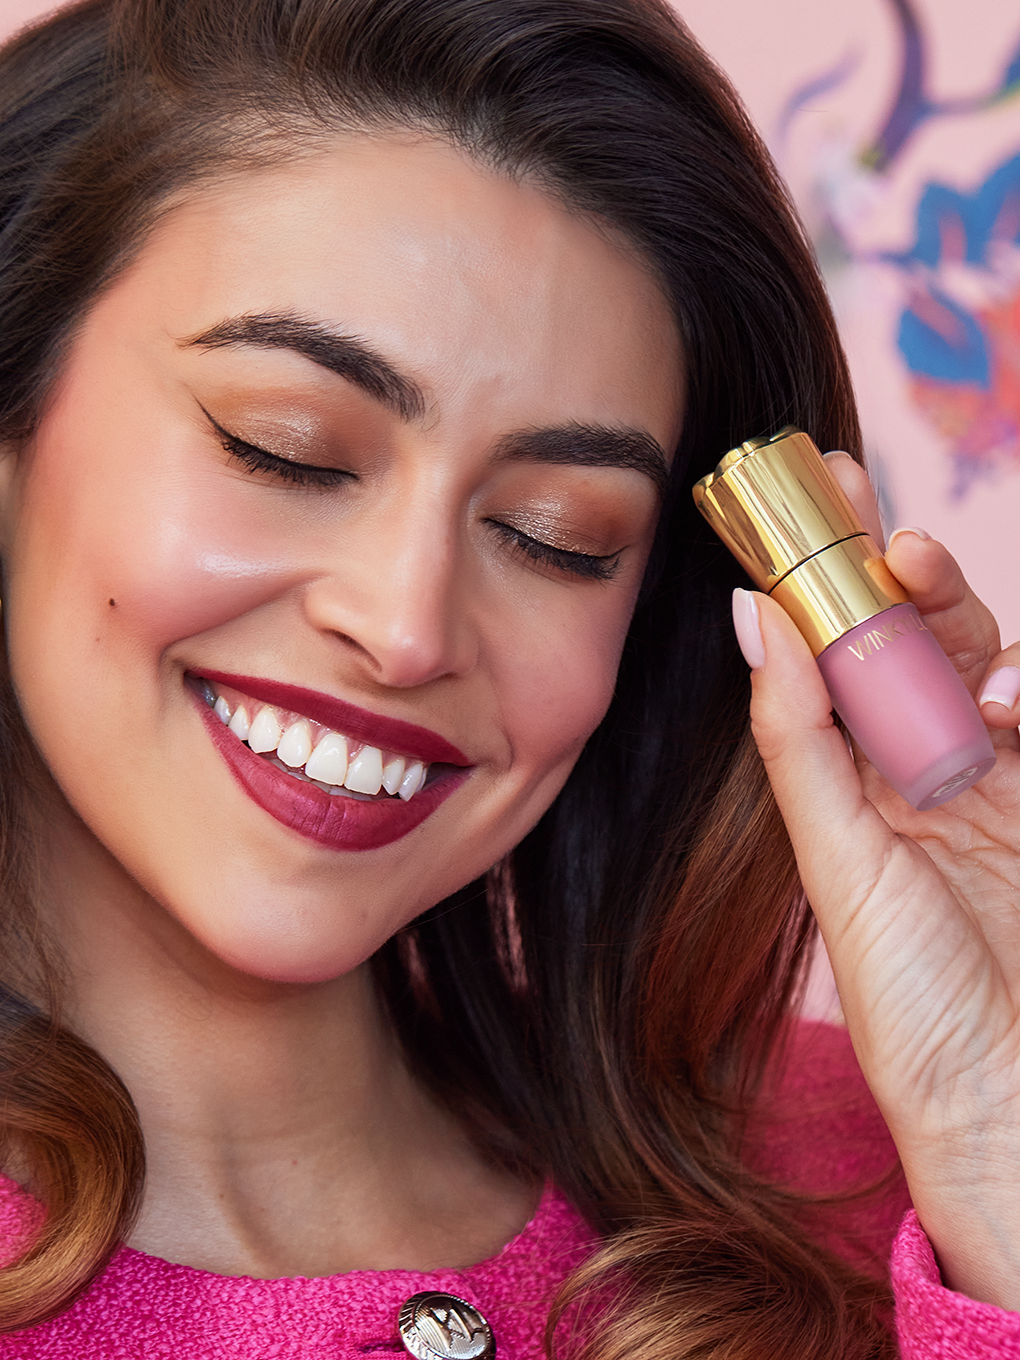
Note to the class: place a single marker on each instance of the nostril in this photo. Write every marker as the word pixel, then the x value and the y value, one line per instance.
pixel 354 645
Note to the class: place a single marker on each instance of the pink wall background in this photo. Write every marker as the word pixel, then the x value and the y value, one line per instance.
pixel 897 126
pixel 13 13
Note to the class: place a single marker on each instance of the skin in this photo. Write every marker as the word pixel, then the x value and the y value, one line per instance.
pixel 918 913
pixel 216 958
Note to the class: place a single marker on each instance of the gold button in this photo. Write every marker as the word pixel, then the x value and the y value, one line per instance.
pixel 442 1327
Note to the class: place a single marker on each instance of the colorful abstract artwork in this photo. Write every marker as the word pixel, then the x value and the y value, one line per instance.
pixel 960 330
pixel 959 327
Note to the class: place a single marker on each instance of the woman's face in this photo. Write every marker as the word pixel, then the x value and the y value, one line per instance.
pixel 366 445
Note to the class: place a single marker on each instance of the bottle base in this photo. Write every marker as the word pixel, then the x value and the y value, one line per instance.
pixel 950 775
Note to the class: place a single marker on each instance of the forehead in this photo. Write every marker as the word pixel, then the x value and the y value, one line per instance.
pixel 459 274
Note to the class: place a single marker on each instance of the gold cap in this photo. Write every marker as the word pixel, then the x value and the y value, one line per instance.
pixel 785 518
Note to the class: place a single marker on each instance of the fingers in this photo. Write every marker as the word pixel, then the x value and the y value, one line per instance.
pixel 808 762
pixel 999 697
pixel 963 626
pixel 858 491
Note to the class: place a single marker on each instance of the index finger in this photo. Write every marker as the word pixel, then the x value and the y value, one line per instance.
pixel 963 626
pixel 858 490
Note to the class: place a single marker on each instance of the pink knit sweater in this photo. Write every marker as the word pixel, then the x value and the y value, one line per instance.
pixel 823 1131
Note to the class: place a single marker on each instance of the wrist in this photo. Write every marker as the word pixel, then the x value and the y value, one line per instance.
pixel 972 1220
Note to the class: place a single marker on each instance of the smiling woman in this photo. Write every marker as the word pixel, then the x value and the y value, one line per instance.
pixel 361 405
pixel 380 836
pixel 369 518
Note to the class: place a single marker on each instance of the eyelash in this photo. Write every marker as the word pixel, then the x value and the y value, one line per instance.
pixel 255 459
pixel 586 565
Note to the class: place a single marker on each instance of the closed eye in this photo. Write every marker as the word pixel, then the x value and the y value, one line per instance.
pixel 255 459
pixel 586 565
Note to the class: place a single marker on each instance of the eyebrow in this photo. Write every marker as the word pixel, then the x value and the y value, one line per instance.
pixel 589 446
pixel 347 356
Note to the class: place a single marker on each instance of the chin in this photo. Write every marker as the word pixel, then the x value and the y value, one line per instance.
pixel 295 971
pixel 284 945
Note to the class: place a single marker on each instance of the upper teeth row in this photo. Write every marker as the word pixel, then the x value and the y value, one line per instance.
pixel 330 761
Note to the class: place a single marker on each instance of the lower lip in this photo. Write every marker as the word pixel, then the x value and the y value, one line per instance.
pixel 331 820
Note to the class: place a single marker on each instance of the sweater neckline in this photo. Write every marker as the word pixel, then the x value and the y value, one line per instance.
pixel 549 1217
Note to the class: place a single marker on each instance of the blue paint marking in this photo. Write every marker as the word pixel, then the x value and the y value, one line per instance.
pixel 957 351
pixel 978 213
pixel 959 357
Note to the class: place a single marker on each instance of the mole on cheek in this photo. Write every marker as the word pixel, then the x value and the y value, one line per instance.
pixel 113 603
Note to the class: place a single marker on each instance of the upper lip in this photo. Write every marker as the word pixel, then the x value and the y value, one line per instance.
pixel 389 734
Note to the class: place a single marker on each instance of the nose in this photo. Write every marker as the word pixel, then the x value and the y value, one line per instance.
pixel 397 598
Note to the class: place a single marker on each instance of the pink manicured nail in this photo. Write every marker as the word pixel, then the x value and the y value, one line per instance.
pixel 908 529
pixel 747 627
pixel 1001 687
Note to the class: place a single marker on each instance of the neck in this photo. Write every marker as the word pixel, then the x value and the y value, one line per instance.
pixel 284 1132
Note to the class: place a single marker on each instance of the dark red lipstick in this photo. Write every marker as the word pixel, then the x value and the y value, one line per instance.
pixel 333 820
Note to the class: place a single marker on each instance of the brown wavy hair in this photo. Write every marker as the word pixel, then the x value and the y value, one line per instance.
pixel 601 1007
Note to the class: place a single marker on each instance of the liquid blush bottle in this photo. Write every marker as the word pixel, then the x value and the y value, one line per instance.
pixel 779 510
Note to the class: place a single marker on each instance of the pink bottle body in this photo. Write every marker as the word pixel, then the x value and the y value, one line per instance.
pixel 909 711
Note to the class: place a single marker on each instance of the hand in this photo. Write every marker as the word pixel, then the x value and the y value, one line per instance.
pixel 920 913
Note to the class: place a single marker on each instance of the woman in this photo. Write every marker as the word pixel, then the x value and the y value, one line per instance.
pixel 358 357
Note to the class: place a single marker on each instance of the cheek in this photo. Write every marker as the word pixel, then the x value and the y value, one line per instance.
pixel 178 548
pixel 558 681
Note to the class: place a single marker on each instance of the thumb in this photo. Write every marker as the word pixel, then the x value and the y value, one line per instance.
pixel 809 764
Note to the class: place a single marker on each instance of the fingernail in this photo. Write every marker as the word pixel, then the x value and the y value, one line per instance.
pixel 908 529
pixel 747 627
pixel 1001 687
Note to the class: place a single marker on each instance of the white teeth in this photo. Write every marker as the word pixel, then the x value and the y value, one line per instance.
pixel 364 774
pixel 240 723
pixel 412 780
pixel 296 744
pixel 328 762
pixel 265 731
pixel 393 773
